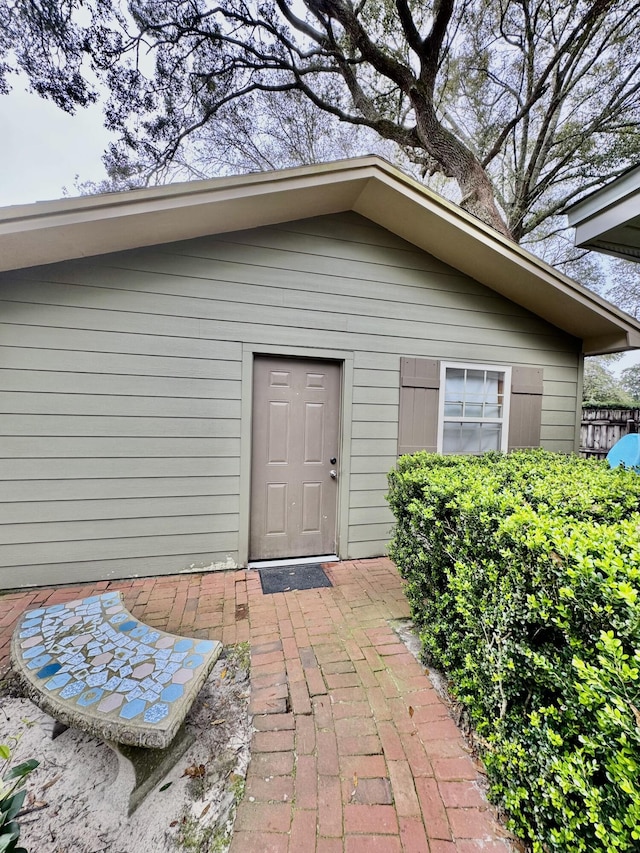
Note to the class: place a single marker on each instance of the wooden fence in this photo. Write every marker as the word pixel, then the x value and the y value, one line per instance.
pixel 601 428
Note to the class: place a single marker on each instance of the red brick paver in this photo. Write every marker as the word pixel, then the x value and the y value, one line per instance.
pixel 353 750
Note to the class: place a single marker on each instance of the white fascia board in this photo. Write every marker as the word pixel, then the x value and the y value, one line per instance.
pixel 609 219
pixel 617 191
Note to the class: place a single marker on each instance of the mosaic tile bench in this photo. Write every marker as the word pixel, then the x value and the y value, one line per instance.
pixel 90 664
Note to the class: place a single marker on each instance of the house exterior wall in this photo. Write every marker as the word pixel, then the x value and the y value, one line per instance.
pixel 123 406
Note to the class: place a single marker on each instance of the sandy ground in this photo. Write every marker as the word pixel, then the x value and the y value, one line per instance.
pixel 74 807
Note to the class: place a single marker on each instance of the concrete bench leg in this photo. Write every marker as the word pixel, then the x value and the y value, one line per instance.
pixel 58 729
pixel 141 769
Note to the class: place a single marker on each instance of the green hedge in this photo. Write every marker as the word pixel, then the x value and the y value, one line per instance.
pixel 523 572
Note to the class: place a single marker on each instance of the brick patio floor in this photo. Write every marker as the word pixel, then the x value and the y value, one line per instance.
pixel 353 751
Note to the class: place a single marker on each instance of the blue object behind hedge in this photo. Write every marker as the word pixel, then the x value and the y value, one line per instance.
pixel 626 452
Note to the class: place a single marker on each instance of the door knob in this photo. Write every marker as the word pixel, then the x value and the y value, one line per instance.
pixel 333 460
pixel 333 475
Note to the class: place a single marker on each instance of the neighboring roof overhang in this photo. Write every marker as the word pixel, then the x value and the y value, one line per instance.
pixel 52 231
pixel 608 220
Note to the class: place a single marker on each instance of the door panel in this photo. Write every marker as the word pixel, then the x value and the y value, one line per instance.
pixel 296 418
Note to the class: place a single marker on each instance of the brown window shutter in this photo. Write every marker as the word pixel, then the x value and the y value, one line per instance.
pixel 525 413
pixel 418 418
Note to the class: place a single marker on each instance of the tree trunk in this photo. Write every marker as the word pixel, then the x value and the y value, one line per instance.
pixel 459 162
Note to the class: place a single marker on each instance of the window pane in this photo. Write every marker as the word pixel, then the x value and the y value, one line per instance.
pixel 461 437
pixel 451 438
pixel 470 438
pixel 473 410
pixel 490 437
pixel 473 396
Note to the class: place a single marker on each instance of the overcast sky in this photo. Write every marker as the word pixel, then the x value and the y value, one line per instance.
pixel 42 148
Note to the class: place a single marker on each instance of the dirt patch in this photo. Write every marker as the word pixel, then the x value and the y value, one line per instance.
pixel 71 793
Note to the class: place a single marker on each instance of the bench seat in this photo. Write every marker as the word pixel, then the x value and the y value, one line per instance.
pixel 92 665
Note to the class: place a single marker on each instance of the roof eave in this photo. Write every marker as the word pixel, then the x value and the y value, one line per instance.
pixel 49 232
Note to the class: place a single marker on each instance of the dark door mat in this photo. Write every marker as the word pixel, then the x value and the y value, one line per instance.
pixel 286 578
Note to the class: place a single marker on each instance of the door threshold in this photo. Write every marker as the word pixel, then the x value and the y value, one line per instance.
pixel 292 561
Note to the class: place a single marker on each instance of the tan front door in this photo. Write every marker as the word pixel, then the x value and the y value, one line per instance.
pixel 295 466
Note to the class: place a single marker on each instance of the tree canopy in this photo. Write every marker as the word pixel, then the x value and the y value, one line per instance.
pixel 601 388
pixel 630 380
pixel 524 104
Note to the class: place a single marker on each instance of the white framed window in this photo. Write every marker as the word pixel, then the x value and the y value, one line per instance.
pixel 473 408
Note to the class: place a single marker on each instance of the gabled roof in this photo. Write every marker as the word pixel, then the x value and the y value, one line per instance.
pixel 52 231
pixel 608 220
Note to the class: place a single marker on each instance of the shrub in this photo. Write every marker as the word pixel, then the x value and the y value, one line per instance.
pixel 12 800
pixel 523 572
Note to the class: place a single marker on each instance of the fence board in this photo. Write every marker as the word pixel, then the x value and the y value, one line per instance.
pixel 600 429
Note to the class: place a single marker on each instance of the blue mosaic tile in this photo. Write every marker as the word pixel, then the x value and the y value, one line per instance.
pixel 172 692
pixel 48 670
pixel 79 672
pixel 97 679
pixel 41 660
pixel 122 654
pixel 33 613
pixel 127 626
pixel 132 709
pixel 150 696
pixel 156 713
pixel 92 599
pixel 178 656
pixel 34 652
pixel 193 661
pixel 182 645
pixel 151 637
pixel 139 631
pixel 30 623
pixel 29 632
pixel 118 618
pixel 55 608
pixel 113 683
pixel 58 681
pixel 72 690
pixel 89 697
pixel 204 647
pixel 163 677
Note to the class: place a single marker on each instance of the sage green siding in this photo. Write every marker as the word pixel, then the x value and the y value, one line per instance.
pixel 121 386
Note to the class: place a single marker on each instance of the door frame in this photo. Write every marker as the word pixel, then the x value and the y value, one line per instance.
pixel 345 360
